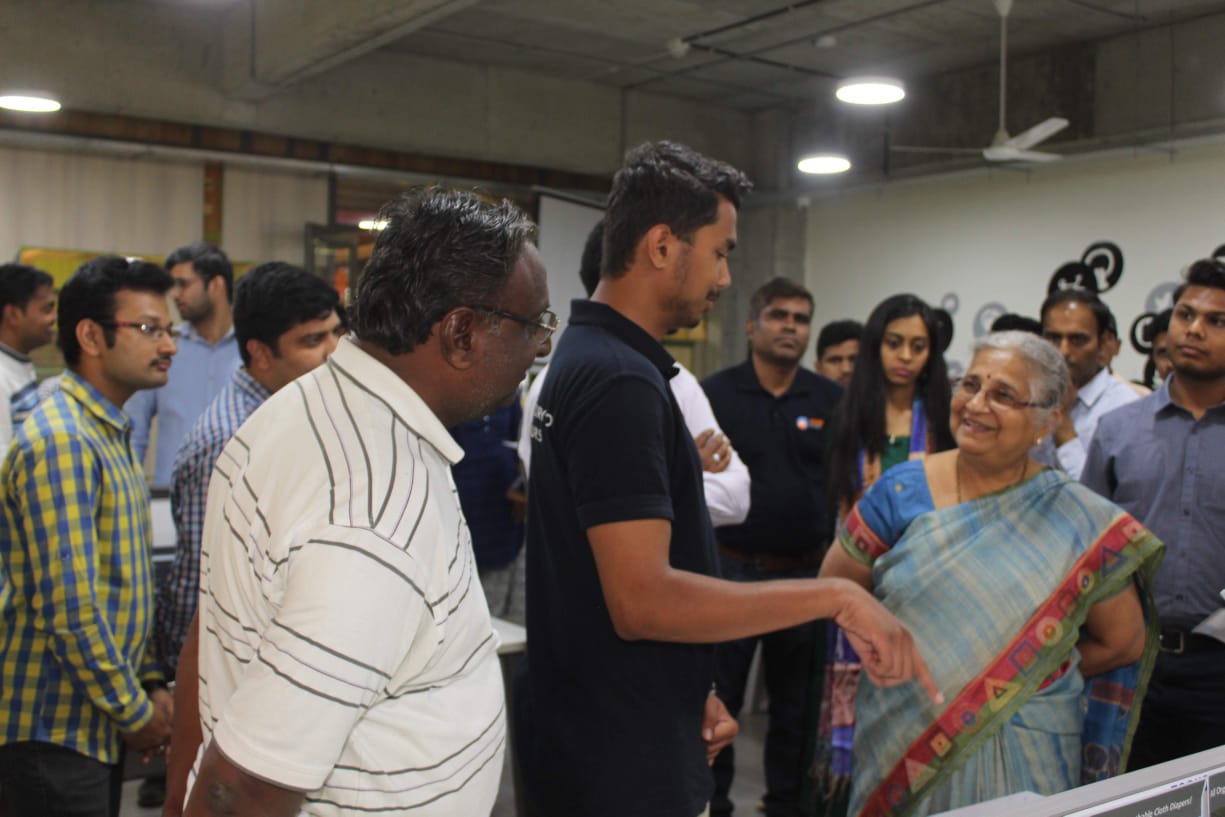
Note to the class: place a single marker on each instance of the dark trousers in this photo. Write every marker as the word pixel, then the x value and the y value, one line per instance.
pixel 46 780
pixel 1184 709
pixel 787 658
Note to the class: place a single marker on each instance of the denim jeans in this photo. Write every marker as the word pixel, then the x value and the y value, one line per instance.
pixel 46 780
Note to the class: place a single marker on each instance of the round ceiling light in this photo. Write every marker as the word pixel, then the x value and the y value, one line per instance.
pixel 825 163
pixel 870 91
pixel 30 103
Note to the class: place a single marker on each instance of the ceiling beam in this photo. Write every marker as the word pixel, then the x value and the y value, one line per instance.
pixel 272 44
pixel 117 128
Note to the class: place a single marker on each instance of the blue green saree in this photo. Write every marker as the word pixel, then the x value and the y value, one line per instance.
pixel 995 592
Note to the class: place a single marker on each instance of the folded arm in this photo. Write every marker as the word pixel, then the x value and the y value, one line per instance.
pixel 1113 635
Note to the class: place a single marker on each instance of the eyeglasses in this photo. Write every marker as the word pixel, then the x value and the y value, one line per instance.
pixel 996 396
pixel 542 326
pixel 149 330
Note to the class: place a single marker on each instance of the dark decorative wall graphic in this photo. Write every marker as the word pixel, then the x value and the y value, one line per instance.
pixel 1100 267
pixel 988 313
pixel 1161 296
pixel 1141 339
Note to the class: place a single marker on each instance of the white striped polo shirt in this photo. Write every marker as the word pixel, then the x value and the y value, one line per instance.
pixel 345 646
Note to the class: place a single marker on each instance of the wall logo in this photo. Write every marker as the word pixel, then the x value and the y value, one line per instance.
pixel 1100 267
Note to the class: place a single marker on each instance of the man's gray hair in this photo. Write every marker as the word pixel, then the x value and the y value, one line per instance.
pixel 440 249
pixel 1048 372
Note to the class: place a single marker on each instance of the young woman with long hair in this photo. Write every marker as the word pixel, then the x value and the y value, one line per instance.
pixel 896 408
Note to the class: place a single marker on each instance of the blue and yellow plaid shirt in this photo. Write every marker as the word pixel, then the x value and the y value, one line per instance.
pixel 76 547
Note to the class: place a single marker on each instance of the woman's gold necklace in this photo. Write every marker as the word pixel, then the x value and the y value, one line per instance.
pixel 957 474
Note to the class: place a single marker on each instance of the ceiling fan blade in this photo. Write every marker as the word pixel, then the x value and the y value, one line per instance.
pixel 1009 153
pixel 1038 133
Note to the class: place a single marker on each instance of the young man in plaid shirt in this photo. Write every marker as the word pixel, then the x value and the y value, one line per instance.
pixel 77 679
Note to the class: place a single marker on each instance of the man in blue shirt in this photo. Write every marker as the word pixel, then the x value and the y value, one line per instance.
pixel 287 322
pixel 484 479
pixel 208 355
pixel 1160 459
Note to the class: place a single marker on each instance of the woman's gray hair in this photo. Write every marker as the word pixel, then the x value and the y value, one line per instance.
pixel 1048 372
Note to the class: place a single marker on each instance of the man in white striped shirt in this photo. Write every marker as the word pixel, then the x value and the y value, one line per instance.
pixel 347 659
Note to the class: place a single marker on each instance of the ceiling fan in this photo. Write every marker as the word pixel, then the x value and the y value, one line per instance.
pixel 1004 147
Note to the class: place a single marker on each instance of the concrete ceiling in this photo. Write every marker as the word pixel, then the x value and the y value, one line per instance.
pixel 569 84
pixel 762 54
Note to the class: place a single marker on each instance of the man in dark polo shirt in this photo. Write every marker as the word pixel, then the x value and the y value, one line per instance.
pixel 615 714
pixel 774 413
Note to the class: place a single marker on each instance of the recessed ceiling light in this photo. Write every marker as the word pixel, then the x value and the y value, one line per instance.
pixel 824 163
pixel 870 91
pixel 374 225
pixel 29 102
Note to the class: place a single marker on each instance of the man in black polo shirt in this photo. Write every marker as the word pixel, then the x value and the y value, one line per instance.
pixel 615 712
pixel 774 413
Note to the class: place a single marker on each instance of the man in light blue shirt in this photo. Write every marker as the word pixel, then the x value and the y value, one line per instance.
pixel 208 355
pixel 1079 324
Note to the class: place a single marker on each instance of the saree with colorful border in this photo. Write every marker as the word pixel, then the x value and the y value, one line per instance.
pixel 995 592
pixel 827 781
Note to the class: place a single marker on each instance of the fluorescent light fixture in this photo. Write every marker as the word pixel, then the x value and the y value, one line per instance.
pixel 870 91
pixel 372 224
pixel 29 102
pixel 825 163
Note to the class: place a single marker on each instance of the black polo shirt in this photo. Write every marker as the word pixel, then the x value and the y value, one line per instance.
pixel 615 726
pixel 781 440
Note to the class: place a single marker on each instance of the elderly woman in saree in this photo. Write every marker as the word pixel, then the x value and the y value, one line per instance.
pixel 1026 592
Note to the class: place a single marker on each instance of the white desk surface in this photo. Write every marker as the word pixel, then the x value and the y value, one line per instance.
pixel 512 638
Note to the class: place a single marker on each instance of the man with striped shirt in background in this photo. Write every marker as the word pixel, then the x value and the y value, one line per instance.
pixel 347 661
pixel 77 681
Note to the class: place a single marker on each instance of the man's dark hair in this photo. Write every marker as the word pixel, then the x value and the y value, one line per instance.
pixel 593 254
pixel 208 260
pixel 773 289
pixel 441 249
pixel 19 282
pixel 275 297
pixel 664 183
pixel 1101 312
pixel 1012 322
pixel 1207 272
pixel 1159 325
pixel 836 332
pixel 90 294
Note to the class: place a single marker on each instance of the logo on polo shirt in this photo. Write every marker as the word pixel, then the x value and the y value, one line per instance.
pixel 805 423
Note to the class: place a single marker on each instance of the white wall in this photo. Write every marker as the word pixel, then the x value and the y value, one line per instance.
pixel 564 227
pixel 77 202
pixel 264 211
pixel 998 236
